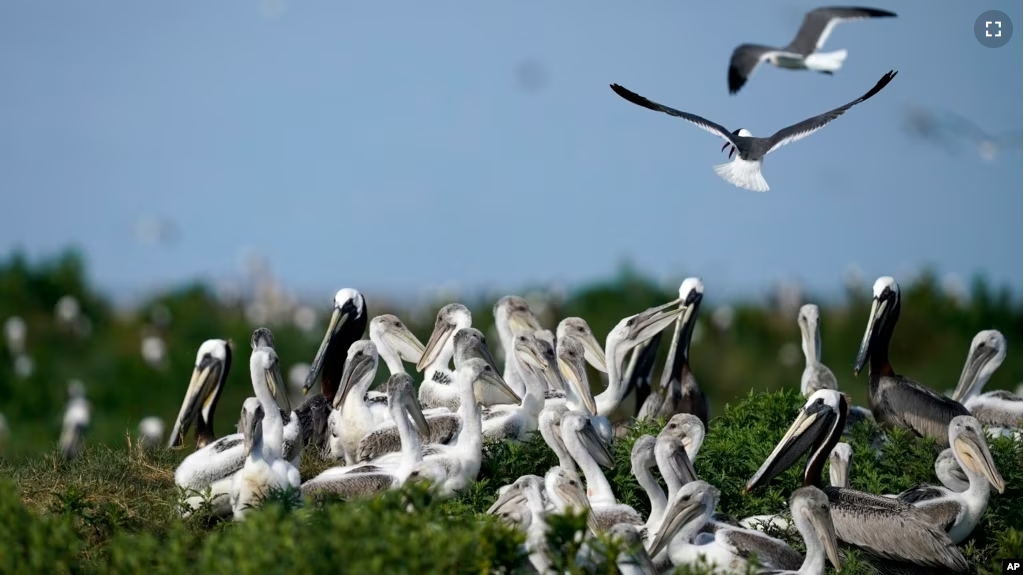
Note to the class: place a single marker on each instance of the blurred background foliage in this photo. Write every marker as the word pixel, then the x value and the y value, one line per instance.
pixel 136 362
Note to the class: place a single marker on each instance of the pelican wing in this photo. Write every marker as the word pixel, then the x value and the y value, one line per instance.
pixel 313 414
pixel 607 517
pixel 385 439
pixel 216 461
pixel 891 530
pixel 918 408
pixel 941 512
pixel 350 485
pixel 769 551
pixel 921 492
pixel 706 125
pixel 803 129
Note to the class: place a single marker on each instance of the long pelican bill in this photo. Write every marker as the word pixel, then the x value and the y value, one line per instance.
pixel 339 317
pixel 645 324
pixel 576 497
pixel 573 375
pixel 202 390
pixel 595 446
pixel 975 454
pixel 821 521
pixel 529 354
pixel 412 407
pixel 809 426
pixel 443 331
pixel 594 353
pixel 979 356
pixel 682 465
pixel 683 509
pixel 252 428
pixel 522 320
pixel 879 308
pixel 356 368
pixel 408 346
pixel 493 378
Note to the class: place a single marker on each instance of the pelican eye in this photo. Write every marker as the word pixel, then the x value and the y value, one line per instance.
pixel 572 482
pixel 671 426
pixel 686 498
pixel 824 507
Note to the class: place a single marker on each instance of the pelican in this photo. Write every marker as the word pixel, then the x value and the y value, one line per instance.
pixel 959 512
pixel 1000 410
pixel 632 558
pixel 838 474
pixel 517 422
pixel 512 315
pixel 536 531
pixel 345 327
pixel 565 490
pixel 590 453
pixel 676 448
pixel 368 479
pixel 571 356
pixel 76 421
pixel 580 329
pixel 265 467
pixel 382 444
pixel 151 432
pixel 511 502
pixel 727 549
pixel 395 344
pixel 810 510
pixel 949 473
pixel 213 363
pixel 816 374
pixel 891 531
pixel 679 392
pixel 456 466
pixel 894 399
pixel 436 389
pixel 626 335
pixel 353 417
pixel 261 337
pixel 642 459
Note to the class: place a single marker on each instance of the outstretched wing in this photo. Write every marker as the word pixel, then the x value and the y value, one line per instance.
pixel 803 129
pixel 745 59
pixel 694 119
pixel 818 24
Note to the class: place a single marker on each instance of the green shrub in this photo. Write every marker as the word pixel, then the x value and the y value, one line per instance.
pixel 114 510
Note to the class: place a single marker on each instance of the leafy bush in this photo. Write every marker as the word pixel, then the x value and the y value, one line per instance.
pixel 114 510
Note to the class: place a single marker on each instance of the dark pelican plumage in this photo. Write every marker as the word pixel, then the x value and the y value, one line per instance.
pixel 896 535
pixel 679 392
pixel 346 326
pixel 640 372
pixel 894 399
pixel 213 363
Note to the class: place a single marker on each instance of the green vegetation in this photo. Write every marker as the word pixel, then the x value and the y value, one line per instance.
pixel 115 508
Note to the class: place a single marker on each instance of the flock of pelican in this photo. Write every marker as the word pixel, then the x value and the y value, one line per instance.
pixel 384 438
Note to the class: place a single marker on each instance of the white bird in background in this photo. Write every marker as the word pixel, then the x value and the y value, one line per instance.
pixel 802 53
pixel 151 432
pixel 745 170
pixel 76 420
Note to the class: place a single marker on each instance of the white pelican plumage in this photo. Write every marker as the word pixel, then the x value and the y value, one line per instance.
pixel 810 510
pixel 437 389
pixel 641 460
pixel 512 315
pixel 579 328
pixel 76 420
pixel 517 422
pixel 265 467
pixel 365 479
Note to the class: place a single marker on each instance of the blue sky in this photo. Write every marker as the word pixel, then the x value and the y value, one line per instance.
pixel 389 146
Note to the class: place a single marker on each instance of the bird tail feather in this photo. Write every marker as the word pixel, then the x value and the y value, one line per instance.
pixel 744 174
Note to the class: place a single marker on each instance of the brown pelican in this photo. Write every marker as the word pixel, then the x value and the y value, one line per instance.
pixel 579 328
pixel 345 327
pixel 395 344
pixel 353 417
pixel 639 374
pixel 512 315
pixel 517 422
pixel 958 512
pixel 676 449
pixel 571 355
pixel 949 473
pixel 76 420
pixel 265 467
pixel 367 479
pixel 457 466
pixel 590 453
pixel 728 548
pixel 894 399
pixel 641 460
pixel 997 410
pixel 632 558
pixel 810 510
pixel 627 334
pixel 536 531
pixel 437 389
pixel 891 531
pixel 213 362
pixel 816 374
pixel 679 392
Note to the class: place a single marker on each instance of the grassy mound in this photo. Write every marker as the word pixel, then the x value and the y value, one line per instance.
pixel 115 510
